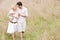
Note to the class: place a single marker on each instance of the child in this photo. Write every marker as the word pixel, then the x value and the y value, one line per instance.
pixel 13 16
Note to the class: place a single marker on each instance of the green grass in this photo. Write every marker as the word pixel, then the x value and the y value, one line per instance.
pixel 43 22
pixel 40 29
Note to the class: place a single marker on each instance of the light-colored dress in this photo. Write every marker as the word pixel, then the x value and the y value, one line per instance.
pixel 12 26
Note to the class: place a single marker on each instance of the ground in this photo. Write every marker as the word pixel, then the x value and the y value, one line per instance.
pixel 43 22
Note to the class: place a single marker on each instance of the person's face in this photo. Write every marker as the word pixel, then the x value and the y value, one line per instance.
pixel 20 7
pixel 14 8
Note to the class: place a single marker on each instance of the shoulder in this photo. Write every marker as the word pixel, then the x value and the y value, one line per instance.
pixel 10 11
pixel 25 8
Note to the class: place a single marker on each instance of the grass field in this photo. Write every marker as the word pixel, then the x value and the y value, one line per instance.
pixel 43 22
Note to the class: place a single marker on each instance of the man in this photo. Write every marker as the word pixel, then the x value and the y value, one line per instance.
pixel 23 13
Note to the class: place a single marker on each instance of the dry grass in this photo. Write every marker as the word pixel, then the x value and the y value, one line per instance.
pixel 43 22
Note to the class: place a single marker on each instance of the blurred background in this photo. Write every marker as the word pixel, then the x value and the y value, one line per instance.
pixel 43 22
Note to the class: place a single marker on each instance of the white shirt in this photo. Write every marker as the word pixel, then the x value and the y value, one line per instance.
pixel 24 12
pixel 10 12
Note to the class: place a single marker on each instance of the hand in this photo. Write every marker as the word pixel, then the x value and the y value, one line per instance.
pixel 10 20
pixel 18 15
pixel 15 16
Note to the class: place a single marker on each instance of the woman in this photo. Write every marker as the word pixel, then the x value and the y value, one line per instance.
pixel 13 16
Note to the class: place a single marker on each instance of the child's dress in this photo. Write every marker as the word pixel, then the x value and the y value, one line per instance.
pixel 12 26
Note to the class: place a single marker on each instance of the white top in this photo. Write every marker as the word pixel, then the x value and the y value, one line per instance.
pixel 24 12
pixel 10 12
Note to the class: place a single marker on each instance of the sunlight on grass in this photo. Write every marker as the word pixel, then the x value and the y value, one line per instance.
pixel 43 22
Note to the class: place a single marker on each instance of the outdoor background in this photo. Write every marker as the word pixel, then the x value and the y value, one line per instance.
pixel 43 22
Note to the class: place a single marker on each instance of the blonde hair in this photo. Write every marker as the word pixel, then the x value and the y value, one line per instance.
pixel 14 7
